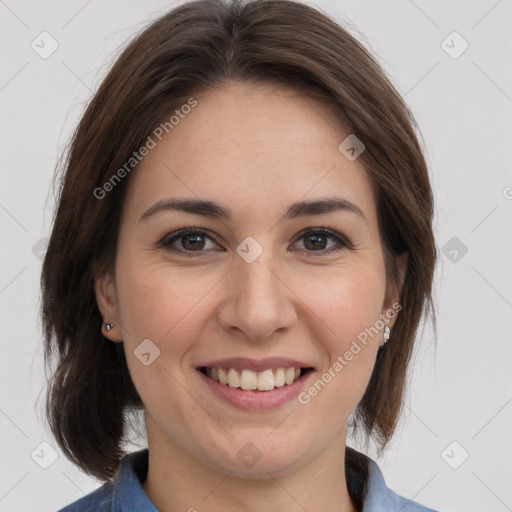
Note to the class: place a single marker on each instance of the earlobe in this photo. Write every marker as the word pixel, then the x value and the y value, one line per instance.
pixel 105 291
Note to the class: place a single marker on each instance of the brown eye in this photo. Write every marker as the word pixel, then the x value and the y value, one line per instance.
pixel 317 240
pixel 192 242
pixel 187 241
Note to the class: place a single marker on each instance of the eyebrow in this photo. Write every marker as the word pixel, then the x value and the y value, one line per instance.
pixel 214 210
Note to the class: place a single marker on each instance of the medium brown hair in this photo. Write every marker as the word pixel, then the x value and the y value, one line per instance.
pixel 197 46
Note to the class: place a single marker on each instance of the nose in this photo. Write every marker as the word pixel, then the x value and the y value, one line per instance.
pixel 256 300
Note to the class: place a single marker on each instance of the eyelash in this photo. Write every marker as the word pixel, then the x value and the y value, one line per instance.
pixel 168 240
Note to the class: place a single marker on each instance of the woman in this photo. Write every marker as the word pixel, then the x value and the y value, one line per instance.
pixel 243 249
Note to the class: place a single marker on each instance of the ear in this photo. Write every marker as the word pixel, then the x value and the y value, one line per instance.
pixel 393 291
pixel 106 297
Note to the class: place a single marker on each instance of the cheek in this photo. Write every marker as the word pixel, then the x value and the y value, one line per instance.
pixel 159 303
pixel 348 302
pixel 349 307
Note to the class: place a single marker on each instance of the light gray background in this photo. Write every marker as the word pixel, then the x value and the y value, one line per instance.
pixel 462 392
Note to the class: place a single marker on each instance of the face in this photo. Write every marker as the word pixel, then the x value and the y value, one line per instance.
pixel 256 284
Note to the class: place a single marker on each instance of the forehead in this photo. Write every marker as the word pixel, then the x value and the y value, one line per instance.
pixel 251 146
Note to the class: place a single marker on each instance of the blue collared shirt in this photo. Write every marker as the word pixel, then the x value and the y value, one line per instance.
pixel 125 494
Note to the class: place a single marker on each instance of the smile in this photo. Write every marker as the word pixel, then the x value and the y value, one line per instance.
pixel 249 380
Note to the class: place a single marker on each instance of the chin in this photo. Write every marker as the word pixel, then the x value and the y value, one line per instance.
pixel 256 460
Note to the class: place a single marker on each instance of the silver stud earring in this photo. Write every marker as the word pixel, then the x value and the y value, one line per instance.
pixel 108 325
pixel 387 333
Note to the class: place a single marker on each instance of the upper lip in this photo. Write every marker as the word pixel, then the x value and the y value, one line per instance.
pixel 256 365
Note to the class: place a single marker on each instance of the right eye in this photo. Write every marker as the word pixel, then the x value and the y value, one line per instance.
pixel 191 240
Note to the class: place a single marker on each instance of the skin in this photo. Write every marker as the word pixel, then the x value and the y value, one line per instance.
pixel 255 149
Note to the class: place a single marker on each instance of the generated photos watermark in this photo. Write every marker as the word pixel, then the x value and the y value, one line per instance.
pixel 343 360
pixel 137 156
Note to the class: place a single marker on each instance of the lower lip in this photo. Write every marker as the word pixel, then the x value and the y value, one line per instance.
pixel 256 400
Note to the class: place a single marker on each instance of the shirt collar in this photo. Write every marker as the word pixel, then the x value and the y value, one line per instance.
pixel 128 491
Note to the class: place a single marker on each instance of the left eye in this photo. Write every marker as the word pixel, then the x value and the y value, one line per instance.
pixel 317 240
pixel 195 241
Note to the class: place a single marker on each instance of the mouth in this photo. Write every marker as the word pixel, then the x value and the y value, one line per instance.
pixel 255 381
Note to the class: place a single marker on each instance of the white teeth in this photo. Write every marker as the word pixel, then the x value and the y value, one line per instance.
pixel 233 378
pixel 223 378
pixel 249 380
pixel 266 380
pixel 280 378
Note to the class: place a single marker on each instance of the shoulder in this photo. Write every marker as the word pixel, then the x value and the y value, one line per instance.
pixel 99 500
pixel 378 497
pixel 381 498
pixel 124 493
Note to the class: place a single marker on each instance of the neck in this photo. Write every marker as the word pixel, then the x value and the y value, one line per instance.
pixel 319 484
